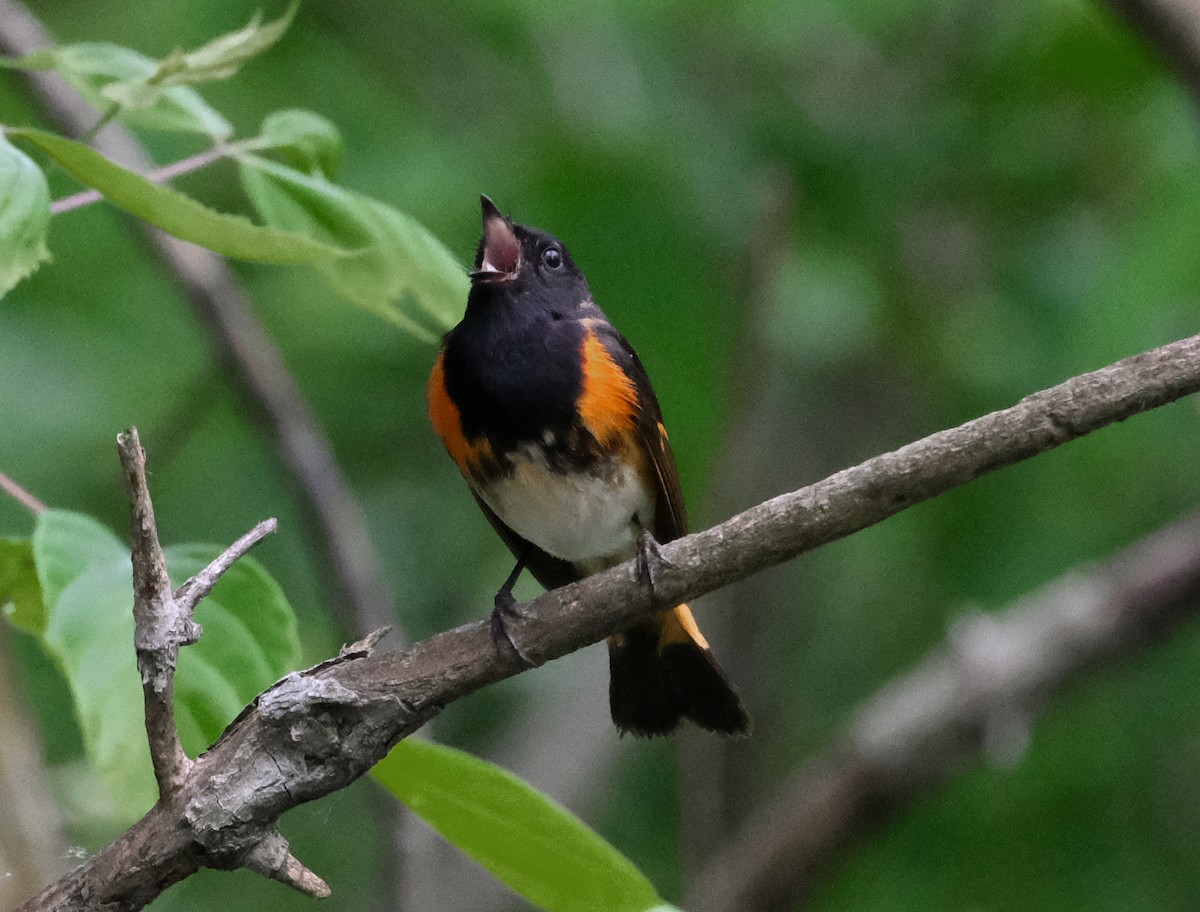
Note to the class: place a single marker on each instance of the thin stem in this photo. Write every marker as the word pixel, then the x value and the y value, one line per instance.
pixel 20 495
pixel 163 174
pixel 104 120
pixel 202 583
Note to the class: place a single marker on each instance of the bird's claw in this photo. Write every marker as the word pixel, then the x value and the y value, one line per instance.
pixel 505 606
pixel 649 561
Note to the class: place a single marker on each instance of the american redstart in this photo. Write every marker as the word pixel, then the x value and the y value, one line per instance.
pixel 551 418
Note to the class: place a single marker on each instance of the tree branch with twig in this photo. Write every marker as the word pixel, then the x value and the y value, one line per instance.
pixel 317 730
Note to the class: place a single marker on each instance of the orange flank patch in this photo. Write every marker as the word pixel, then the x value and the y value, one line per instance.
pixel 447 424
pixel 679 626
pixel 608 404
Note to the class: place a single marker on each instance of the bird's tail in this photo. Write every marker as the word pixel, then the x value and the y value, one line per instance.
pixel 663 670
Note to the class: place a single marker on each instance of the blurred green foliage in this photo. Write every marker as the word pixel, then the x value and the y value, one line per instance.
pixel 987 200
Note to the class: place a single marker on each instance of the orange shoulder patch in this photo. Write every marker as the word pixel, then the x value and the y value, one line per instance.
pixel 447 424
pixel 608 404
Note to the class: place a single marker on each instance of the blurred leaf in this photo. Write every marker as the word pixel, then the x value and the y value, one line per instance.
pixel 219 59
pixel 175 213
pixel 20 594
pixel 92 67
pixel 532 844
pixel 24 215
pixel 403 273
pixel 65 544
pixel 311 143
pixel 249 642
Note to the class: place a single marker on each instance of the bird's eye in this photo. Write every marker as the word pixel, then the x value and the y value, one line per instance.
pixel 552 257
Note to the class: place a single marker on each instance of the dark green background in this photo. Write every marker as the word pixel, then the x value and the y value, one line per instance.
pixel 831 227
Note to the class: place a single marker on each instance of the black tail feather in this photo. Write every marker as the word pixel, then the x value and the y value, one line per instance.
pixel 657 678
pixel 640 696
pixel 706 695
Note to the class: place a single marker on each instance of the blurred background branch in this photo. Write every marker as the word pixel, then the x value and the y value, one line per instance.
pixel 979 693
pixel 1172 27
pixel 33 847
pixel 715 774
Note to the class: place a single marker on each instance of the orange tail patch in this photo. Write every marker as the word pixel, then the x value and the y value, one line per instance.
pixel 663 670
pixel 679 627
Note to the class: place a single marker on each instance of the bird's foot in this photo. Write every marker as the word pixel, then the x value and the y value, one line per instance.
pixel 650 561
pixel 505 607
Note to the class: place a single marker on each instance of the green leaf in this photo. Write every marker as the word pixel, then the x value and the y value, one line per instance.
pixel 249 641
pixel 403 273
pixel 20 592
pixel 24 215
pixel 218 59
pixel 85 575
pixel 311 143
pixel 175 213
pixel 92 67
pixel 531 843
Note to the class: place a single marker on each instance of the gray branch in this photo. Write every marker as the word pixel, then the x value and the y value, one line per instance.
pixel 162 624
pixel 200 585
pixel 315 731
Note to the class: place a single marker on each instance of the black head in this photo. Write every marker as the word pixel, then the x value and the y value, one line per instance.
pixel 524 265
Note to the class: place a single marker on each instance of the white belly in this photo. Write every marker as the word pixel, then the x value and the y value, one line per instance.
pixel 579 518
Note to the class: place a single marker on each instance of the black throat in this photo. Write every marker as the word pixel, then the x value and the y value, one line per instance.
pixel 513 367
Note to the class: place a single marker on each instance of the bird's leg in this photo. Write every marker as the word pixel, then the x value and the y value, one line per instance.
pixel 504 601
pixel 505 606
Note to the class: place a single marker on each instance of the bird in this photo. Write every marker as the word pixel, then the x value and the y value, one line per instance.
pixel 550 417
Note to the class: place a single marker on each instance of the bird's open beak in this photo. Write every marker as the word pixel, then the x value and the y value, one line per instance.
pixel 501 250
